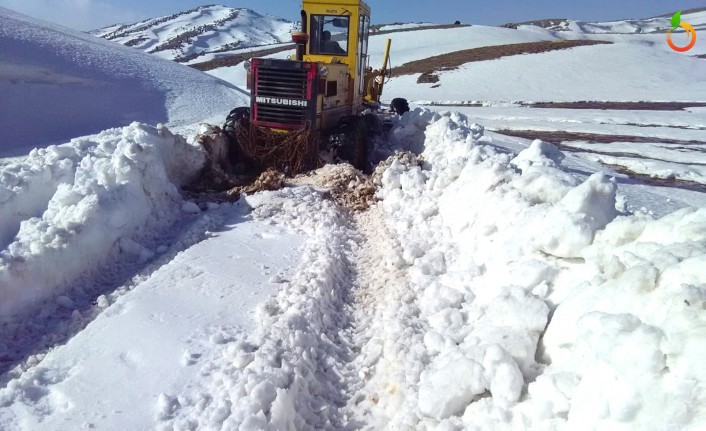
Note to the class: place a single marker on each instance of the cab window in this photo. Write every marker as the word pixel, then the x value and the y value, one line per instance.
pixel 329 35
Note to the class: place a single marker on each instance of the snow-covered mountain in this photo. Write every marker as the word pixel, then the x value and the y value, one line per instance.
pixel 496 282
pixel 659 24
pixel 187 35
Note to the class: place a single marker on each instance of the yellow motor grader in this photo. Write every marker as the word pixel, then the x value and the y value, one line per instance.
pixel 322 100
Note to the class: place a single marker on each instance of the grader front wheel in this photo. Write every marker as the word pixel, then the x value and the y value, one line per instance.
pixel 235 127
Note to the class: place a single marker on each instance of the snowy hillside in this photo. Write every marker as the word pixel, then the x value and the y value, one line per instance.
pixel 657 72
pixel 660 24
pixel 211 29
pixel 58 84
pixel 497 282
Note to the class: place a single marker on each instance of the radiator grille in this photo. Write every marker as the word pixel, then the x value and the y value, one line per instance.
pixel 281 83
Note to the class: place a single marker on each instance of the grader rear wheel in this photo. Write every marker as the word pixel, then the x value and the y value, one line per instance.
pixel 352 138
pixel 399 105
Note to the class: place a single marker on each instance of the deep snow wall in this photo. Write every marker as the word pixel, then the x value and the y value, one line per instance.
pixel 67 209
pixel 58 84
pixel 534 300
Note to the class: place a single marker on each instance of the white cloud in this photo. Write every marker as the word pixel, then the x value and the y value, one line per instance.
pixel 77 14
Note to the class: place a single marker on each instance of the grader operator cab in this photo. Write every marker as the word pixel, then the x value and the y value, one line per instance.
pixel 324 98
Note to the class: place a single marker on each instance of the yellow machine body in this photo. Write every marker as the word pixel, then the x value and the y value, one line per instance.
pixel 322 92
pixel 350 81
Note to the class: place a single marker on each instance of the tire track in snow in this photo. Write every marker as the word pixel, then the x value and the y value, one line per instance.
pixel 389 328
pixel 301 367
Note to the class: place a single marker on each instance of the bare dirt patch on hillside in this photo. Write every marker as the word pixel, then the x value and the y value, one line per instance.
pixel 662 182
pixel 619 106
pixel 557 137
pixel 429 66
pixel 235 59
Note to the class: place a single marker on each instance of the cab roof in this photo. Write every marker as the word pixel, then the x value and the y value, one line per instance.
pixel 356 3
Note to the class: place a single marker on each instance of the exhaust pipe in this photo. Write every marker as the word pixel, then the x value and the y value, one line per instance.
pixel 301 39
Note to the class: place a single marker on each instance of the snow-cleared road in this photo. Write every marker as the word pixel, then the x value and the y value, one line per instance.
pixel 492 285
pixel 182 344
pixel 153 339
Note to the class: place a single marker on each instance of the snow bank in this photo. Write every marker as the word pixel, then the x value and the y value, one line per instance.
pixel 634 333
pixel 503 250
pixel 67 209
pixel 57 84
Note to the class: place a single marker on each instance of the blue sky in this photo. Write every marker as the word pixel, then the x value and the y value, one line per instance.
pixel 89 14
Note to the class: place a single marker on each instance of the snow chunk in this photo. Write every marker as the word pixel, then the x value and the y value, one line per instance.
pixel 455 378
pixel 539 153
pixel 167 406
pixel 571 225
pixel 595 198
pixel 190 208
pixel 544 184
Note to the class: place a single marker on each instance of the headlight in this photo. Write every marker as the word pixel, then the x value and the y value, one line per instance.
pixel 247 65
pixel 323 71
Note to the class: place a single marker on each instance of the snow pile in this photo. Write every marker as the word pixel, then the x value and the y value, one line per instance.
pixel 497 247
pixel 75 206
pixel 632 337
pixel 58 84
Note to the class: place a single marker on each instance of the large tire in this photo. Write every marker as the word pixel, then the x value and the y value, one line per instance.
pixel 399 105
pixel 353 137
pixel 360 145
pixel 238 119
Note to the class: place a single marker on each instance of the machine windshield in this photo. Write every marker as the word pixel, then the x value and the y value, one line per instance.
pixel 329 34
